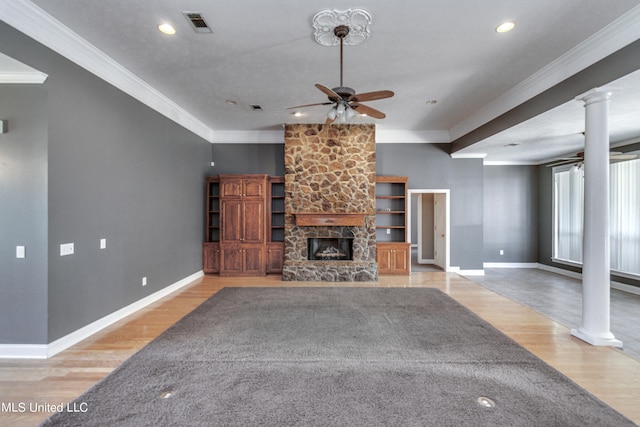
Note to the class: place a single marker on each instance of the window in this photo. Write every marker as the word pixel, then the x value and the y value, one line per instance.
pixel 624 215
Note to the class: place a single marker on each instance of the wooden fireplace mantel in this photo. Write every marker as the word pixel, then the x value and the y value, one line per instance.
pixel 318 219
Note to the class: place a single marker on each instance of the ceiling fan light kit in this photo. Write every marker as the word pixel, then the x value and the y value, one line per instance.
pixel 345 100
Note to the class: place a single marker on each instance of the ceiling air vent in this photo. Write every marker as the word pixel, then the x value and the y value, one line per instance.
pixel 197 22
pixel 256 107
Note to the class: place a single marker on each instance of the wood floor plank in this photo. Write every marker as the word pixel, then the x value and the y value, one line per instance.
pixel 607 373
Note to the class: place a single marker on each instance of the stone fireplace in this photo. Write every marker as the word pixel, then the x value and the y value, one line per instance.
pixel 330 199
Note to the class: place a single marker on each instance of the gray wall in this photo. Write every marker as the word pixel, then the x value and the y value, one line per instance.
pixel 116 170
pixel 429 166
pixel 248 158
pixel 511 213
pixel 23 214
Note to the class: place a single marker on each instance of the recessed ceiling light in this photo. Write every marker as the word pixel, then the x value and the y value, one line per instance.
pixel 505 27
pixel 167 29
pixel 231 102
pixel 432 101
pixel 297 114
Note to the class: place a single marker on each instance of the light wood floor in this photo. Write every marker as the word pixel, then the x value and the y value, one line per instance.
pixel 607 373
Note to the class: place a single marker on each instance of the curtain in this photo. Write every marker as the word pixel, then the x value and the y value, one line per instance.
pixel 624 215
pixel 569 214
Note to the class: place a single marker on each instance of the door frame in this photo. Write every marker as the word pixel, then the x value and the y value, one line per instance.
pixel 447 216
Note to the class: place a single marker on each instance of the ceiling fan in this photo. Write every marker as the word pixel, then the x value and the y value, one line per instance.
pixel 579 158
pixel 347 102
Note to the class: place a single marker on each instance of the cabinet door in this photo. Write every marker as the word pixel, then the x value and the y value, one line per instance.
pixel 253 187
pixel 231 187
pixel 231 260
pixel 211 258
pixel 400 260
pixel 385 262
pixel 275 257
pixel 252 221
pixel 254 264
pixel 231 220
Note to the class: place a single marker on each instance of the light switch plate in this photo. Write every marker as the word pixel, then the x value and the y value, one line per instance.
pixel 20 252
pixel 66 249
pixel 103 243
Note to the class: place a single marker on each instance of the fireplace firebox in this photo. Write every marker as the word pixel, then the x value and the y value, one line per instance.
pixel 330 249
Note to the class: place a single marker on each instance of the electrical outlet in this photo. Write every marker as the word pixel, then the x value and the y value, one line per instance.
pixel 501 251
pixel 103 243
pixel 388 231
pixel 144 281
pixel 20 252
pixel 66 249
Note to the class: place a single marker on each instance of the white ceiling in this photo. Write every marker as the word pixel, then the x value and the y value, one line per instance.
pixel 263 52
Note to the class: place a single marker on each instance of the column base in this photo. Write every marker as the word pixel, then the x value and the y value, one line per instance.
pixel 601 341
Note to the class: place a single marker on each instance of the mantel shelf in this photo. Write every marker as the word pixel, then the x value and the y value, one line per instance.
pixel 317 219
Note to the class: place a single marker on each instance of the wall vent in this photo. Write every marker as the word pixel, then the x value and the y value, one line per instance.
pixel 197 22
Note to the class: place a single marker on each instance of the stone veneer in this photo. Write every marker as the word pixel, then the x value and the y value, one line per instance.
pixel 330 169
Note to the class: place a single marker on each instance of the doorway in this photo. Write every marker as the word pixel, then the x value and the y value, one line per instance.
pixel 429 230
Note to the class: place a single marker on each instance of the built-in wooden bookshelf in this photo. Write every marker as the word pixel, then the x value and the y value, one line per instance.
pixel 393 247
pixel 211 245
pixel 275 226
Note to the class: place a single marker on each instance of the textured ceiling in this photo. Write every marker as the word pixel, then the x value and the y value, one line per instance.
pixel 264 53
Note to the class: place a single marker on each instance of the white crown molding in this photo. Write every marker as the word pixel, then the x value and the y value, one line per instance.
pixel 277 137
pixel 509 163
pixel 248 137
pixel 411 137
pixel 618 34
pixel 29 19
pixel 26 77
pixel 468 155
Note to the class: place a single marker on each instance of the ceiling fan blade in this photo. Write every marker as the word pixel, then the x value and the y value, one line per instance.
pixel 331 94
pixel 309 105
pixel 371 96
pixel 363 109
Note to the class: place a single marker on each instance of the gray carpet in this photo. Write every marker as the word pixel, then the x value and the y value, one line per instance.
pixel 335 357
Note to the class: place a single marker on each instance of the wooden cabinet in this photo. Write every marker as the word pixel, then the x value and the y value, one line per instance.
pixel 242 260
pixel 242 220
pixel 393 258
pixel 393 249
pixel 244 225
pixel 243 186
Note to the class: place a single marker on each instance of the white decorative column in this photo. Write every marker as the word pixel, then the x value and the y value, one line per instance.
pixel 595 236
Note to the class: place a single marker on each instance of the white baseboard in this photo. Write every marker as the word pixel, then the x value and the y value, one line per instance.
pixel 562 271
pixel 23 351
pixel 510 265
pixel 44 351
pixel 466 272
